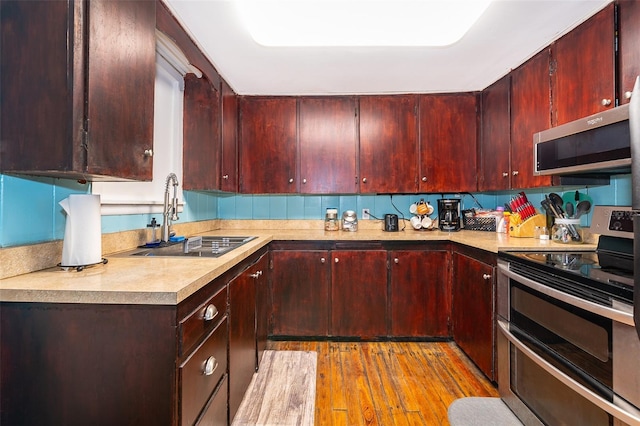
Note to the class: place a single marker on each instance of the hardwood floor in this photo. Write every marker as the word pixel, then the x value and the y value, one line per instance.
pixel 389 383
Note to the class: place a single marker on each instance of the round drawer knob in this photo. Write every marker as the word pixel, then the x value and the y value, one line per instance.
pixel 148 153
pixel 424 178
pixel 627 95
pixel 210 365
pixel 304 181
pixel 225 176
pixel 336 260
pixel 322 260
pixel 364 180
pixel 605 102
pixel 396 260
pixel 515 173
pixel 505 174
pixel 486 276
pixel 210 312
pixel 291 180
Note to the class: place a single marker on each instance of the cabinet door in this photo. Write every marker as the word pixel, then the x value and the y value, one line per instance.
pixel 268 145
pixel 201 134
pixel 229 163
pixel 120 88
pixel 328 145
pixel 388 144
pixel 628 46
pixel 260 272
pixel 448 143
pixel 495 144
pixel 300 292
pixel 242 337
pixel 86 107
pixel 530 113
pixel 359 293
pixel 420 293
pixel 583 82
pixel 473 292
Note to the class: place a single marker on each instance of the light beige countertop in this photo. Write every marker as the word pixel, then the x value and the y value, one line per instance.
pixel 170 280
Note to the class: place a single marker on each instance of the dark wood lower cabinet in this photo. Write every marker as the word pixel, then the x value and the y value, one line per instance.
pixel 473 309
pixel 87 364
pixel 242 338
pixel 359 293
pixel 300 281
pixel 420 293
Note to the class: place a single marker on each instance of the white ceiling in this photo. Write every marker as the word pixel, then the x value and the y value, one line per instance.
pixel 508 33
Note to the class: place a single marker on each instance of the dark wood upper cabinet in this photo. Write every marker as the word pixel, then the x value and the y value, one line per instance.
pixel 267 147
pixel 583 69
pixel 530 113
pixel 201 134
pixel 77 83
pixel 388 144
pixel 328 135
pixel 448 133
pixel 229 161
pixel 628 46
pixel 495 142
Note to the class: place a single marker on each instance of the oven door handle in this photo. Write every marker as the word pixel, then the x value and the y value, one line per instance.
pixel 611 313
pixel 629 414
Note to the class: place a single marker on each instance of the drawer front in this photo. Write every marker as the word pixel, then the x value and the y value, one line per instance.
pixel 200 322
pixel 215 414
pixel 196 385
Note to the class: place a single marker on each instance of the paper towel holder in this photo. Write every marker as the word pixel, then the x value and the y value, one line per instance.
pixel 79 268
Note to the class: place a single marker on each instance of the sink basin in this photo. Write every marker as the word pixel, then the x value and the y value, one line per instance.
pixel 209 246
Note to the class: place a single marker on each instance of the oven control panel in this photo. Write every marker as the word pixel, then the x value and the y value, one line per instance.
pixel 616 221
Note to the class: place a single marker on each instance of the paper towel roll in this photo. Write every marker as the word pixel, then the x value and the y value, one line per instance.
pixel 82 243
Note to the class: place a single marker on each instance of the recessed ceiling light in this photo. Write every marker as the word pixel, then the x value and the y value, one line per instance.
pixel 359 22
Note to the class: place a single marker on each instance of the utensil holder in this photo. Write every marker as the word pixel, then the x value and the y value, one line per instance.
pixel 527 228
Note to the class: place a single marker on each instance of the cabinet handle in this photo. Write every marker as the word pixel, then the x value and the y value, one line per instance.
pixel 291 180
pixel 627 95
pixel 505 174
pixel 225 176
pixel 322 260
pixel 148 153
pixel 210 365
pixel 486 276
pixel 396 260
pixel 210 312
pixel 304 181
pixel 605 102
pixel 336 260
pixel 364 180
pixel 424 178
pixel 256 275
pixel 515 173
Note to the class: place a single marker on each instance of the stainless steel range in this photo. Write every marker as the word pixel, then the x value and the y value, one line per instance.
pixel 568 352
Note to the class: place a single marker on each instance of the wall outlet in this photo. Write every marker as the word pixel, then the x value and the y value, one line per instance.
pixel 365 213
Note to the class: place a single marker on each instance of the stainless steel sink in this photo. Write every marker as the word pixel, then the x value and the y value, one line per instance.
pixel 206 246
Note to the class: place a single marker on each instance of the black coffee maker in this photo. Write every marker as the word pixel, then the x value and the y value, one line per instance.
pixel 449 218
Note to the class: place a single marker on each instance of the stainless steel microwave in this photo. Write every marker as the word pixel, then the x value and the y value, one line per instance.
pixel 596 144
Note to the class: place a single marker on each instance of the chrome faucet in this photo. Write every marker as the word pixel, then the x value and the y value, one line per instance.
pixel 169 212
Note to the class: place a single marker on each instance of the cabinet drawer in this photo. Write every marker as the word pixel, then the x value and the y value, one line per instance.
pixel 215 413
pixel 196 386
pixel 202 320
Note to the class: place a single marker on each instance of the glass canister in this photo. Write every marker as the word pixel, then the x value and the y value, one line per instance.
pixel 331 222
pixel 567 231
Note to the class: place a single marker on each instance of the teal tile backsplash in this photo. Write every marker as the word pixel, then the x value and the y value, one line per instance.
pixel 29 210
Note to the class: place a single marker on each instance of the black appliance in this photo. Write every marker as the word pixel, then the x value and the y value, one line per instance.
pixel 449 218
pixel 391 222
pixel 566 334
pixel 634 131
